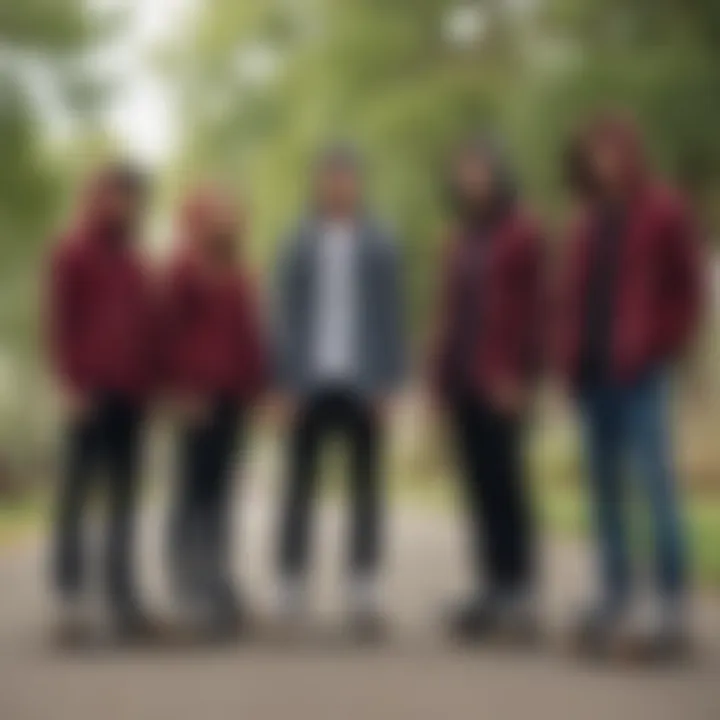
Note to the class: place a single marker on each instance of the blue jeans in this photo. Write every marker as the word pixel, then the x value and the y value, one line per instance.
pixel 631 422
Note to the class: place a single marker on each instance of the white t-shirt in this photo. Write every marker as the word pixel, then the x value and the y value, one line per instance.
pixel 334 355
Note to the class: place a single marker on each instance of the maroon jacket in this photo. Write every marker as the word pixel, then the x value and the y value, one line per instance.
pixel 101 317
pixel 213 345
pixel 657 289
pixel 506 345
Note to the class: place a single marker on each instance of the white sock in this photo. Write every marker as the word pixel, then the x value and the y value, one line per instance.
pixel 363 593
pixel 293 596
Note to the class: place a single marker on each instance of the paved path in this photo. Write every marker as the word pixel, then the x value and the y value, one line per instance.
pixel 416 675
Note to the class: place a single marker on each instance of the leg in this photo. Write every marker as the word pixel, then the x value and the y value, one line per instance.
pixel 363 433
pixel 184 522
pixel 486 445
pixel 121 428
pixel 80 455
pixel 651 448
pixel 604 430
pixel 303 448
pixel 469 431
pixel 217 509
pixel 506 507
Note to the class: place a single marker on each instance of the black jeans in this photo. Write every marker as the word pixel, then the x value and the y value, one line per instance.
pixel 333 411
pixel 107 441
pixel 496 496
pixel 200 524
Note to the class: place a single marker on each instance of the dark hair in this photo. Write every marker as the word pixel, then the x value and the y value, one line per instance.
pixel 488 150
pixel 338 156
pixel 577 174
pixel 611 126
pixel 126 177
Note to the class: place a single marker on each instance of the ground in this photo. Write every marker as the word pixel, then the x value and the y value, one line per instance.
pixel 417 674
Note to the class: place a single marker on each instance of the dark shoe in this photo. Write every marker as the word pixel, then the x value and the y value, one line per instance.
pixel 72 626
pixel 131 623
pixel 517 622
pixel 666 645
pixel 367 626
pixel 227 618
pixel 475 620
pixel 599 629
pixel 663 637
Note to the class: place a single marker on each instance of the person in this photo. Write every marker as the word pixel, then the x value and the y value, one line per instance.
pixel 629 303
pixel 102 340
pixel 340 352
pixel 215 375
pixel 485 357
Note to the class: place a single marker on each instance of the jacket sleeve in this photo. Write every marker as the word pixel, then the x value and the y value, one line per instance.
pixel 519 350
pixel 63 317
pixel 175 303
pixel 682 279
pixel 254 341
pixel 284 318
pixel 440 338
pixel 393 321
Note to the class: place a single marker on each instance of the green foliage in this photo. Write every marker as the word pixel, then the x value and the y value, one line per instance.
pixel 263 83
pixel 42 43
pixel 407 78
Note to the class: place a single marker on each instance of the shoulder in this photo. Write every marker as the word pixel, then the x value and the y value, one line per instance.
pixel 68 253
pixel 247 280
pixel 179 273
pixel 65 247
pixel 667 204
pixel 451 244
pixel 382 239
pixel 578 225
pixel 524 231
pixel 295 242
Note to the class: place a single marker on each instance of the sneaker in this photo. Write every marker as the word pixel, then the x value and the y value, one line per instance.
pixel 600 628
pixel 292 601
pixel 660 633
pixel 367 625
pixel 227 615
pixel 72 622
pixel 475 619
pixel 131 623
pixel 517 619
pixel 366 619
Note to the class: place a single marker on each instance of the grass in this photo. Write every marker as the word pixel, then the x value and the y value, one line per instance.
pixel 563 509
pixel 20 519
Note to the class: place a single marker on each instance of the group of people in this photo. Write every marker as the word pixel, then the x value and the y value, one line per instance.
pixel 332 356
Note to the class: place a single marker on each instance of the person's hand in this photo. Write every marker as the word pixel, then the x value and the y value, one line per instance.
pixel 433 403
pixel 507 397
pixel 282 408
pixel 191 409
pixel 76 405
pixel 381 407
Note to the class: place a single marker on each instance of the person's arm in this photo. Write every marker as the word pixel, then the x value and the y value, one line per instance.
pixel 519 349
pixel 179 385
pixel 283 364
pixel 393 320
pixel 439 341
pixel 63 315
pixel 254 341
pixel 154 332
pixel 682 281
